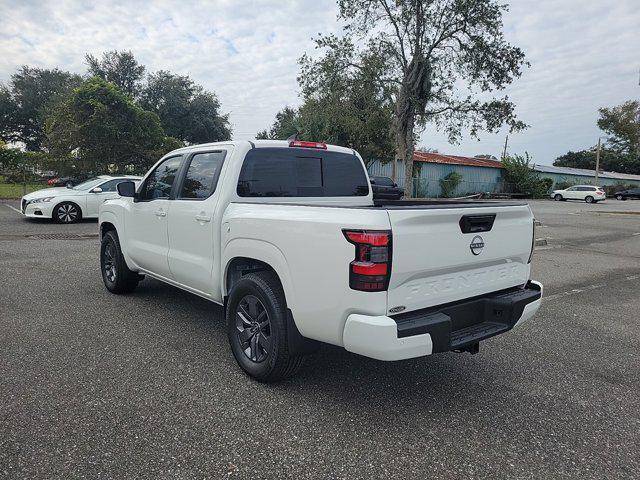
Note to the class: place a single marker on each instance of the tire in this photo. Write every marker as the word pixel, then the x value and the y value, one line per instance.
pixel 589 199
pixel 66 212
pixel 557 197
pixel 620 197
pixel 115 274
pixel 257 328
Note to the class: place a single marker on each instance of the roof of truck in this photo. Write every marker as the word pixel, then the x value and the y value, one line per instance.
pixel 262 144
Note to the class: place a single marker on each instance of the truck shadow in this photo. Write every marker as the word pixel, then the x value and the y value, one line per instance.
pixel 333 376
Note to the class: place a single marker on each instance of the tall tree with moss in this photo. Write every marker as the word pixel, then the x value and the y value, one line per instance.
pixel 436 60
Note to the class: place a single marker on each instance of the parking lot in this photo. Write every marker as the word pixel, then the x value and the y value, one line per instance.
pixel 144 386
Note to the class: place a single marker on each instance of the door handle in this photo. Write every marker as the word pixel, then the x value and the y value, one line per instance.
pixel 202 218
pixel 161 213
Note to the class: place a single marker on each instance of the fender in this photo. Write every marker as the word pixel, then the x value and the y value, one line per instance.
pixel 265 252
pixel 108 213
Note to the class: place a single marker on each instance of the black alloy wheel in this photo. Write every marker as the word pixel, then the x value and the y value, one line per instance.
pixel 67 212
pixel 254 328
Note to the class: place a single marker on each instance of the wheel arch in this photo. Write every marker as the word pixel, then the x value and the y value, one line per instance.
pixel 242 256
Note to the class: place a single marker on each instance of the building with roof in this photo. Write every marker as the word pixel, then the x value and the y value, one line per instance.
pixel 479 174
pixel 486 175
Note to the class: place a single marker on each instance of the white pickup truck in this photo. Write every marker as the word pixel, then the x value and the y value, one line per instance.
pixel 287 237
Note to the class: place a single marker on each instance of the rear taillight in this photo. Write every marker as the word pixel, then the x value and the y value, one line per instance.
pixel 301 144
pixel 533 240
pixel 371 268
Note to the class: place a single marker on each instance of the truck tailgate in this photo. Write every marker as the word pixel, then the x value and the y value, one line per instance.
pixel 435 263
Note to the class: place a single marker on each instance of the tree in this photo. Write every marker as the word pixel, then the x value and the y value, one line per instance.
pixel 351 113
pixel 622 123
pixel 119 68
pixel 285 125
pixel 422 52
pixel 186 110
pixel 105 129
pixel 29 98
pixel 524 179
pixel 610 160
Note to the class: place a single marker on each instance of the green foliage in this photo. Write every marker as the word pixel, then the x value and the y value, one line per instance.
pixel 563 185
pixel 105 129
pixel 417 57
pixel 610 161
pixel 449 183
pixel 30 96
pixel 622 123
pixel 186 111
pixel 525 180
pixel 347 116
pixel 119 68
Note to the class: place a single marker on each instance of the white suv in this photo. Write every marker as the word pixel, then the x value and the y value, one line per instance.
pixel 586 193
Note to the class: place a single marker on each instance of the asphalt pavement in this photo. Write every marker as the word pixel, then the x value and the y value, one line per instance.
pixel 94 385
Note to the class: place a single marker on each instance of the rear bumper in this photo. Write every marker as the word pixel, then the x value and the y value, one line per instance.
pixel 443 328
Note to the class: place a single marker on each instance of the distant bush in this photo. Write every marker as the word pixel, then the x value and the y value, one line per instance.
pixel 449 183
pixel 525 180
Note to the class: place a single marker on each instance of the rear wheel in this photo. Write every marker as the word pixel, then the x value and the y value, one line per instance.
pixel 557 197
pixel 115 274
pixel 589 199
pixel 257 328
pixel 67 212
pixel 619 197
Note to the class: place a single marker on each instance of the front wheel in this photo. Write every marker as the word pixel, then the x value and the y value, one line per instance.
pixel 619 197
pixel 589 199
pixel 67 212
pixel 557 197
pixel 257 328
pixel 115 274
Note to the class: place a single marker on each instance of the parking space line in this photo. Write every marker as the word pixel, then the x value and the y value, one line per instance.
pixel 13 208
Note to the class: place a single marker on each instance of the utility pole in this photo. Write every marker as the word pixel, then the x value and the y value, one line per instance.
pixel 597 161
pixel 504 152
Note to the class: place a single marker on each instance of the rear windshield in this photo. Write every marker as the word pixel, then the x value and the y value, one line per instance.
pixel 299 172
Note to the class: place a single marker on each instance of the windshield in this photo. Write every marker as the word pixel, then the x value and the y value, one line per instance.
pixel 89 184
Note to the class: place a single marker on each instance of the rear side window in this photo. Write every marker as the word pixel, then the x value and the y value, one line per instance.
pixel 299 172
pixel 202 175
pixel 384 181
pixel 159 182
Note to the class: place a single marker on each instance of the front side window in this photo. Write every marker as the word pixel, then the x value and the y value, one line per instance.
pixel 298 172
pixel 112 185
pixel 202 175
pixel 159 182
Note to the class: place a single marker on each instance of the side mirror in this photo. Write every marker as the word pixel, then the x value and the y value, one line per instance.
pixel 69 185
pixel 395 185
pixel 373 182
pixel 127 189
pixel 96 190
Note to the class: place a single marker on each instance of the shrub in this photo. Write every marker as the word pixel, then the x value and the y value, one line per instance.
pixel 449 183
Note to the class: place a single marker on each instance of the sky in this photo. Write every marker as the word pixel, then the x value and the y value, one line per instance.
pixel 583 54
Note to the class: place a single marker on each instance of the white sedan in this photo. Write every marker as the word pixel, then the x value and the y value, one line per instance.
pixel 70 204
pixel 586 193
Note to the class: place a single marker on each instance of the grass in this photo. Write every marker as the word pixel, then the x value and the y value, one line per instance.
pixel 16 190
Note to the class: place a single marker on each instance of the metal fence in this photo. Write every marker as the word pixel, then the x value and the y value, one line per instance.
pixel 423 187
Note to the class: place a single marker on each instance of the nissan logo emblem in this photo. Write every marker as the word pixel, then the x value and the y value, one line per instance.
pixel 477 244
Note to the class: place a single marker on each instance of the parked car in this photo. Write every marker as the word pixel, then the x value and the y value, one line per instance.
pixel 286 236
pixel 385 188
pixel 67 181
pixel 632 193
pixel 586 193
pixel 70 204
